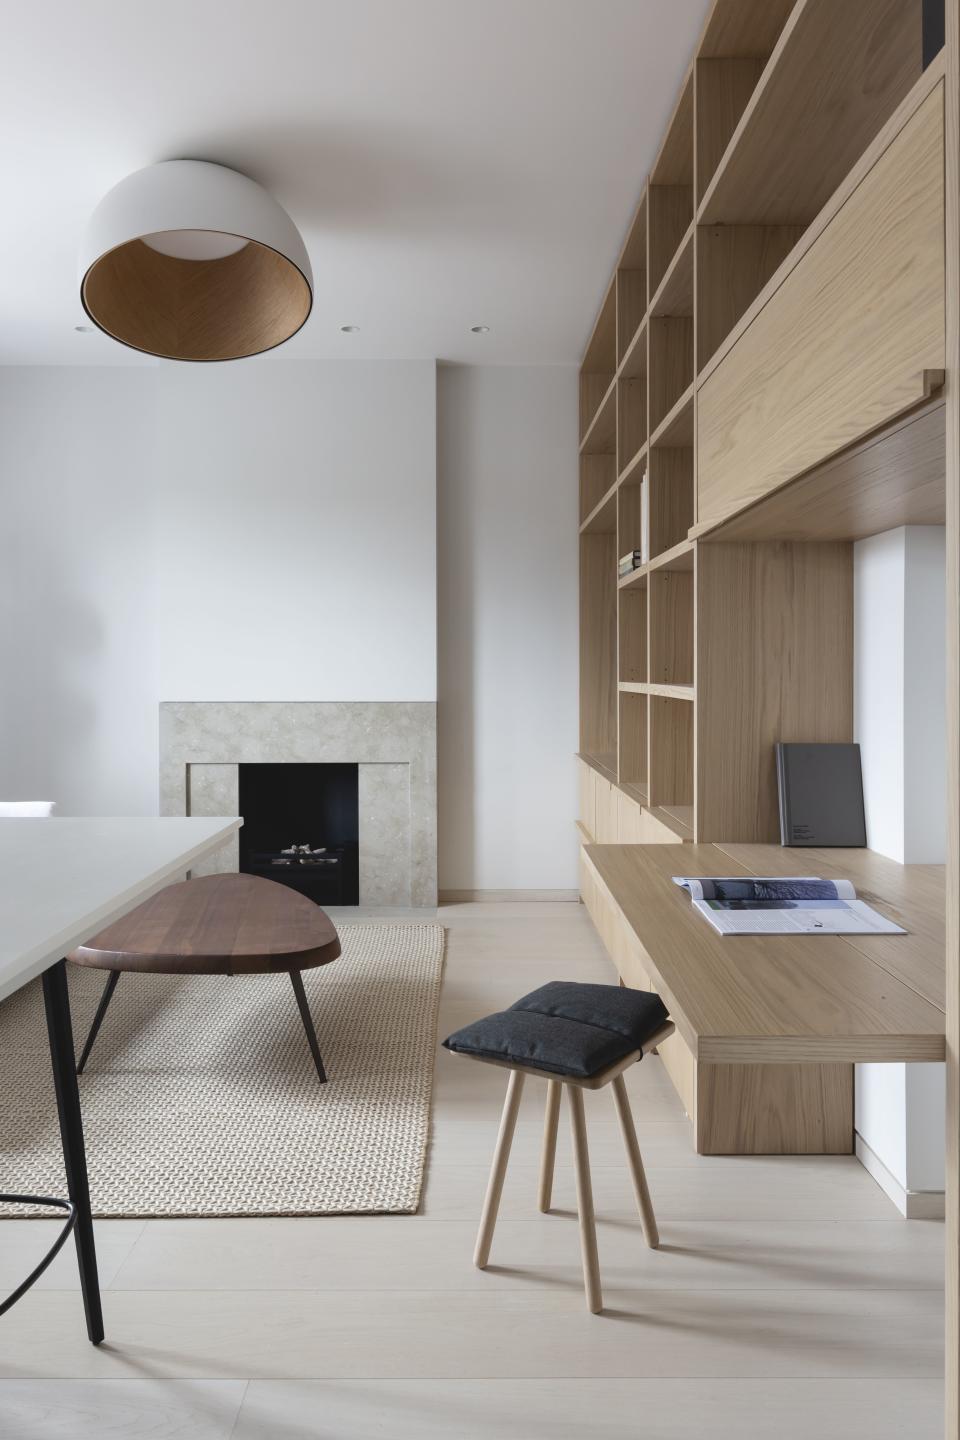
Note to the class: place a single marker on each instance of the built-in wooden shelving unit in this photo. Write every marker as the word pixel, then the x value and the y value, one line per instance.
pixel 802 164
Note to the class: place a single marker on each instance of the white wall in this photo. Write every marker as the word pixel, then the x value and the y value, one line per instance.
pixel 900 690
pixel 268 530
pixel 899 721
pixel 925 696
pixel 507 487
pixel 255 531
pixel 878 608
pixel 78 716
pixel 297 531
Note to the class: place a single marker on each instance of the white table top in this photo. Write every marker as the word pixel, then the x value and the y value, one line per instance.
pixel 63 880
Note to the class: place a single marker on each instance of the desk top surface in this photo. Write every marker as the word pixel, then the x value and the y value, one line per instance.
pixel 63 880
pixel 788 998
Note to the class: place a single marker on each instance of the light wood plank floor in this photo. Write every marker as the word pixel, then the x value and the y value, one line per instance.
pixel 789 1298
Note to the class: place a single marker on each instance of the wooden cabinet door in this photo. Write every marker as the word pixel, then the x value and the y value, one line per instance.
pixel 848 340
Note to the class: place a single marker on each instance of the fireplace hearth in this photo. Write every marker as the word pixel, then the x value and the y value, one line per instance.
pixel 301 828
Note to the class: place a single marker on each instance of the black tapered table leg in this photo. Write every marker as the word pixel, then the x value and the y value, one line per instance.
pixel 105 998
pixel 56 1001
pixel 307 1019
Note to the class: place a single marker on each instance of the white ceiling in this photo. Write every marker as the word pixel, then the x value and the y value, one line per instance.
pixel 449 162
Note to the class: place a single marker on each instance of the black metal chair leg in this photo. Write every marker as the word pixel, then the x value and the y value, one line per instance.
pixel 105 999
pixel 56 1003
pixel 297 982
pixel 54 1250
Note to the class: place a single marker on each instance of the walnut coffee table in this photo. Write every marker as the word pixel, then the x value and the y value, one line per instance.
pixel 217 925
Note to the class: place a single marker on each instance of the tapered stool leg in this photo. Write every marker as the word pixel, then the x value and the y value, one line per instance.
pixel 588 1232
pixel 648 1220
pixel 498 1171
pixel 549 1153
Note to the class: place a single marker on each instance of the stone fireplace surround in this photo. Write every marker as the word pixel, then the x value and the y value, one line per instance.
pixel 392 743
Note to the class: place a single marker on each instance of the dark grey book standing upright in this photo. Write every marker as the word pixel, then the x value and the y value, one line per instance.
pixel 821 795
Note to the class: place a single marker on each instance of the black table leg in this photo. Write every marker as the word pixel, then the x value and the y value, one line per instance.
pixel 56 1002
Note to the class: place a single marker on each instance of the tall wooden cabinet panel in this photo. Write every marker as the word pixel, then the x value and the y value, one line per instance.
pixel 760 391
pixel 844 343
pixel 775 638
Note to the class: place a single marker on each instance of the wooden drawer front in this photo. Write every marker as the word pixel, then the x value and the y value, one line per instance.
pixel 599 906
pixel 639 827
pixel 606 801
pixel 630 960
pixel 654 832
pixel 629 820
pixel 843 344
pixel 682 1070
pixel 619 940
pixel 588 798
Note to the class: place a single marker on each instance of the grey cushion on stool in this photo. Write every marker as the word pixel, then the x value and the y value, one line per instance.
pixel 565 1028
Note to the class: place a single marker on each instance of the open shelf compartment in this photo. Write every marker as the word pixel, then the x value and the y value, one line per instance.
pixel 633 739
pixel 671 364
pixel 671 627
pixel 670 780
pixel 670 193
pixel 598 473
pixel 631 420
pixel 632 655
pixel 598 643
pixel 734 263
pixel 632 281
pixel 675 294
pixel 739 39
pixel 599 363
pixel 601 435
pixel 807 121
pixel 671 497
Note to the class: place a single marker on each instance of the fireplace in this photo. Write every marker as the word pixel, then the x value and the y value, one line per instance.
pixel 301 828
pixel 391 744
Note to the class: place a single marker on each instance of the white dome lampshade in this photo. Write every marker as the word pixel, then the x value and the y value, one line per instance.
pixel 193 261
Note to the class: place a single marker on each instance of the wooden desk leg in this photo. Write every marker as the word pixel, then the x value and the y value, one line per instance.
pixel 648 1220
pixel 56 1002
pixel 549 1153
pixel 588 1231
pixel 498 1171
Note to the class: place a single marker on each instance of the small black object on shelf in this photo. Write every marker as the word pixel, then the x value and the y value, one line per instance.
pixel 821 795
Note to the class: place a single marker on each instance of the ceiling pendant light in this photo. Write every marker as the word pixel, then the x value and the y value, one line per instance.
pixel 193 261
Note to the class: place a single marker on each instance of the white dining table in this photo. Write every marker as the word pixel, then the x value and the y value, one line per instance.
pixel 62 881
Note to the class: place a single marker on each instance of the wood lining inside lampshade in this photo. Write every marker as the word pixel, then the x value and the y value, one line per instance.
pixel 223 309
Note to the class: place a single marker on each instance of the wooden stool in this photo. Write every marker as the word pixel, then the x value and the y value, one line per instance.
pixel 464 1042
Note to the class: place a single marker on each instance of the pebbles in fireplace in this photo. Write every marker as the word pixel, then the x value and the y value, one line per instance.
pixel 300 827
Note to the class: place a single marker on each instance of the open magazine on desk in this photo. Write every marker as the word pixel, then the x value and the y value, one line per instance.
pixel 783 905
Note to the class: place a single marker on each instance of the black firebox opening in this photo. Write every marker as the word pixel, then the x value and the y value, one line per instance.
pixel 300 827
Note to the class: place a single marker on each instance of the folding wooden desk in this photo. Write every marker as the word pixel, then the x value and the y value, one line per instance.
pixel 816 1004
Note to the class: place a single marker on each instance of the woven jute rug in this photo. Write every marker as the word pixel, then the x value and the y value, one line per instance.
pixel 201 1097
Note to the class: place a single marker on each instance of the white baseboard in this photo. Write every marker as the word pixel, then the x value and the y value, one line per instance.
pixel 507 897
pixel 914 1204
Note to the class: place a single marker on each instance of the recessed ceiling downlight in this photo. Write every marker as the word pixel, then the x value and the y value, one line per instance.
pixel 193 261
pixel 479 329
